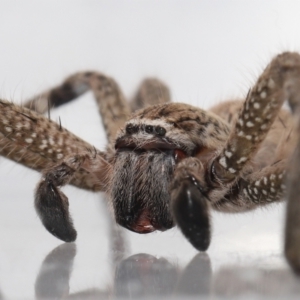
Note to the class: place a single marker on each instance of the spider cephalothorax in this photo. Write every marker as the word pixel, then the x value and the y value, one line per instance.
pixel 169 163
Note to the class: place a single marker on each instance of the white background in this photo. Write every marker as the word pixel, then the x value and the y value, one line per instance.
pixel 206 51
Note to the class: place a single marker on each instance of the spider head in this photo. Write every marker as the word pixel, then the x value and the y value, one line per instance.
pixel 143 170
pixel 148 150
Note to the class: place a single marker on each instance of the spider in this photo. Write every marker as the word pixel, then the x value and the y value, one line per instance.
pixel 166 163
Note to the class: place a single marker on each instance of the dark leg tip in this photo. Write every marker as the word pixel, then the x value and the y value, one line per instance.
pixel 53 209
pixel 190 210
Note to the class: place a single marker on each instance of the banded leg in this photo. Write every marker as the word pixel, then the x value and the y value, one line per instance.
pixel 151 92
pixel 51 204
pixel 278 82
pixel 113 107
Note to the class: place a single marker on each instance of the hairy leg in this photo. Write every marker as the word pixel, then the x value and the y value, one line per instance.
pixel 52 205
pixel 262 105
pixel 255 190
pixel 113 107
pixel 38 143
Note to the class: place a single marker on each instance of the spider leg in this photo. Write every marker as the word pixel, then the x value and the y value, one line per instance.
pixel 277 83
pixel 37 142
pixel 151 92
pixel 280 81
pixel 51 204
pixel 113 107
pixel 292 224
pixel 190 202
pixel 256 189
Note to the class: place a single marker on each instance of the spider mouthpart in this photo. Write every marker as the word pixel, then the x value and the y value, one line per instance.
pixel 143 223
pixel 142 205
pixel 190 209
pixel 179 155
pixel 52 207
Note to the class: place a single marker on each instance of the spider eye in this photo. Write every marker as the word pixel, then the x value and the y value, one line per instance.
pixel 179 155
pixel 130 129
pixel 160 130
pixel 149 129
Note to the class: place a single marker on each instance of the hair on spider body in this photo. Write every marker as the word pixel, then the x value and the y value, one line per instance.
pixel 140 190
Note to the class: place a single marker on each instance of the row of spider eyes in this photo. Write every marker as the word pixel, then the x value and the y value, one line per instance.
pixel 158 130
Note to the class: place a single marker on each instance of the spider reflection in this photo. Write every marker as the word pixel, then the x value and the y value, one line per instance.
pixel 145 276
pixel 139 276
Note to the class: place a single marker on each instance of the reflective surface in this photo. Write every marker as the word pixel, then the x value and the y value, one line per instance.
pixel 206 51
pixel 144 276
